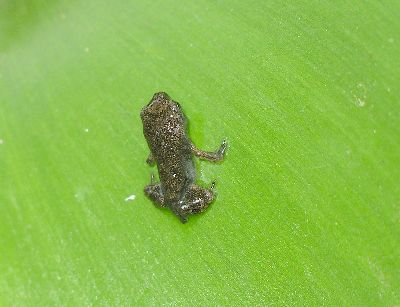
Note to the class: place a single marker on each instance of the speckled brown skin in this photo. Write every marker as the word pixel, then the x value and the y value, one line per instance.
pixel 164 127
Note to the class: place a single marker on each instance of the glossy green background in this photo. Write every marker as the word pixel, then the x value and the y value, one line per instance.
pixel 308 207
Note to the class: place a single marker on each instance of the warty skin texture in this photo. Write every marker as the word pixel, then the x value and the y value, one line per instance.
pixel 165 129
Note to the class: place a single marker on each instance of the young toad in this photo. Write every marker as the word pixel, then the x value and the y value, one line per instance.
pixel 164 127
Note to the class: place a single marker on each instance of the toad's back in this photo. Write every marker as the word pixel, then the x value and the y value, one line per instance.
pixel 164 127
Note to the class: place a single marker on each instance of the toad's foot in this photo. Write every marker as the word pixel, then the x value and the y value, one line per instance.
pixel 153 191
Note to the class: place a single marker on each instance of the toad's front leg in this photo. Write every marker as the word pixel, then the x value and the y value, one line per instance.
pixel 213 156
pixel 150 160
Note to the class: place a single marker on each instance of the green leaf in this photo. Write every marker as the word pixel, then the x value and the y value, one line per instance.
pixel 308 206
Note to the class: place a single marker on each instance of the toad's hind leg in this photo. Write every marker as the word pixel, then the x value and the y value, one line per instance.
pixel 196 200
pixel 153 191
